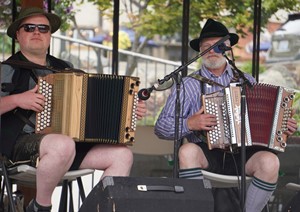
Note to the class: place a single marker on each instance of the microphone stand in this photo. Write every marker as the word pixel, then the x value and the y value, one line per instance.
pixel 243 129
pixel 175 76
pixel 177 140
pixel 243 148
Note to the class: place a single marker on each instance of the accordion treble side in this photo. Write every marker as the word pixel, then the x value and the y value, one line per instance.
pixel 268 108
pixel 89 107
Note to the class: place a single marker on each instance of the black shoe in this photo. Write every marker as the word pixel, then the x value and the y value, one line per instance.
pixel 36 207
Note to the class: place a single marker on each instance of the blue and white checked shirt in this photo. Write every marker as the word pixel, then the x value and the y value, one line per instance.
pixel 190 103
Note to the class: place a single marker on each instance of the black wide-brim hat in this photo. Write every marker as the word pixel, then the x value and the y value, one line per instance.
pixel 211 29
pixel 54 20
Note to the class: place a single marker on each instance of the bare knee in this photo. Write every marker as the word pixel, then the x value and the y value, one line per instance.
pixel 190 156
pixel 270 163
pixel 120 162
pixel 264 165
pixel 56 145
pixel 125 154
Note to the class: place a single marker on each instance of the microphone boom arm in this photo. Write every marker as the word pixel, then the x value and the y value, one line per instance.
pixel 145 93
pixel 180 68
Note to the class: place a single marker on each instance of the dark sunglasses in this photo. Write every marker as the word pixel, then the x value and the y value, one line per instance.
pixel 31 27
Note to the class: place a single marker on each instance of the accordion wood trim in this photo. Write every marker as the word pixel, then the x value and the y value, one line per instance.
pixel 89 107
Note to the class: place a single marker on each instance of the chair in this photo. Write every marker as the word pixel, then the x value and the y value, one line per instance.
pixel 294 202
pixel 223 181
pixel 26 175
pixel 293 186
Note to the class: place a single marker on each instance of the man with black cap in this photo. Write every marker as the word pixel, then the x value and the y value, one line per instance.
pixel 194 155
pixel 55 153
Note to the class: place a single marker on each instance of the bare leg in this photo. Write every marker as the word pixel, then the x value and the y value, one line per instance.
pixel 264 166
pixel 191 156
pixel 114 160
pixel 57 153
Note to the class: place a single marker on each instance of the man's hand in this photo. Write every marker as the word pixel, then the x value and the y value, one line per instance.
pixel 141 109
pixel 292 126
pixel 30 100
pixel 201 121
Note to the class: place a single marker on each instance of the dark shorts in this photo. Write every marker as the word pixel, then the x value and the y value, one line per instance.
pixel 27 147
pixel 226 162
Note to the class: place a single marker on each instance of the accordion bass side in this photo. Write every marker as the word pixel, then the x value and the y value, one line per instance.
pixel 89 107
pixel 268 108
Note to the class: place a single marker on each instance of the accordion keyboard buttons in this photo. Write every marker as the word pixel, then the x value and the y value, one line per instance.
pixel 214 134
pixel 43 118
pixel 134 108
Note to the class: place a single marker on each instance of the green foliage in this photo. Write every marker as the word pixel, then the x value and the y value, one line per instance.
pixel 156 17
pixel 6 12
pixel 101 4
pixel 247 67
pixel 6 43
pixel 63 8
pixel 148 18
pixel 296 105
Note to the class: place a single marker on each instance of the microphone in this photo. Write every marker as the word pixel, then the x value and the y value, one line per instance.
pixel 145 93
pixel 221 48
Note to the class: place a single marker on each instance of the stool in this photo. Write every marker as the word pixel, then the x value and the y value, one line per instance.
pixel 26 175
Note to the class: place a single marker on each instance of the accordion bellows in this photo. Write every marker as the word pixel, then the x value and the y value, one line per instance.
pixel 268 108
pixel 89 107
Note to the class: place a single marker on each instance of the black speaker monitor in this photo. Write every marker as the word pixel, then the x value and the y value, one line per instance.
pixel 128 194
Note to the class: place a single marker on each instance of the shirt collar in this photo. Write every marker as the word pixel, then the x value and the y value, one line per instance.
pixel 208 74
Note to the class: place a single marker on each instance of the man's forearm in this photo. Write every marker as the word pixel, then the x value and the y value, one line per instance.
pixel 8 103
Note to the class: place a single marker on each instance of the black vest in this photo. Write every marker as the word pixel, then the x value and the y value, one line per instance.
pixel 11 124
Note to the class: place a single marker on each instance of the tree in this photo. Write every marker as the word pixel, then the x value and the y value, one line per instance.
pixel 164 17
pixel 157 17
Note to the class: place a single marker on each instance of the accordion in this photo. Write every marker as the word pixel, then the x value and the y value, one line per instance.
pixel 267 110
pixel 89 107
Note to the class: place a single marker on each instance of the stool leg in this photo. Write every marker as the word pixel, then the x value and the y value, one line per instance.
pixel 63 197
pixel 71 204
pixel 8 187
pixel 2 192
pixel 81 189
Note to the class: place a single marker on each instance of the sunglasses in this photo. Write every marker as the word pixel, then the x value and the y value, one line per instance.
pixel 31 27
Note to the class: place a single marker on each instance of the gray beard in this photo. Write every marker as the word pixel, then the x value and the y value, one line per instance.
pixel 214 64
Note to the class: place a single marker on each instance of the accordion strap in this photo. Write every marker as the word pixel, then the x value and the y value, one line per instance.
pixel 31 66
pixel 23 118
pixel 204 79
pixel 26 64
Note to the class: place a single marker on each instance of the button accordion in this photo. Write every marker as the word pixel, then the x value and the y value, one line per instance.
pixel 89 107
pixel 268 108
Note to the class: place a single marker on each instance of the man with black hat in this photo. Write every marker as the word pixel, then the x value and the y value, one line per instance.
pixel 194 155
pixel 55 153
